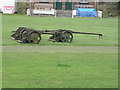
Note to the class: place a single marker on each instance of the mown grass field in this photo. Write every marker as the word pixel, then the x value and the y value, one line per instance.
pixel 108 27
pixel 60 68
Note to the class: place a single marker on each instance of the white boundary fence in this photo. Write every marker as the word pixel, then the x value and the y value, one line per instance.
pixel 42 12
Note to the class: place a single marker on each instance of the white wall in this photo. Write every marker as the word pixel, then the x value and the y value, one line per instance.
pixel 7 6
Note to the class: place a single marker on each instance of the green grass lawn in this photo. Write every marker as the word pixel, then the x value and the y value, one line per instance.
pixel 71 69
pixel 108 27
pixel 60 70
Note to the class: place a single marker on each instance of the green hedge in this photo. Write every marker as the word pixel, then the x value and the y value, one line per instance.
pixel 21 7
pixel 110 9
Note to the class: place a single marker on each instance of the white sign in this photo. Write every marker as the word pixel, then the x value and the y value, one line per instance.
pixel 8 6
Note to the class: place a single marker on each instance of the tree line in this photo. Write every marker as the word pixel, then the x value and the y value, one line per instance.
pixel 110 9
